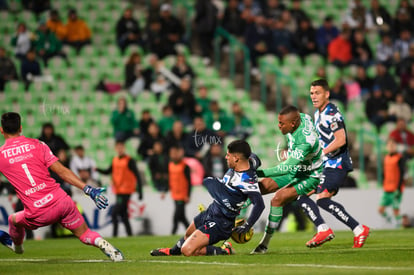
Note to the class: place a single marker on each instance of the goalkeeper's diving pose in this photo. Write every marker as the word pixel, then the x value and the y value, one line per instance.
pixel 229 194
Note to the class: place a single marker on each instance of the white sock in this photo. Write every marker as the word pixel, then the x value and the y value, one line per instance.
pixel 97 240
pixel 323 227
pixel 358 230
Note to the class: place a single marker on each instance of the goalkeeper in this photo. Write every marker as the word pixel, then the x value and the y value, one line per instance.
pixel 298 175
pixel 229 194
pixel 25 162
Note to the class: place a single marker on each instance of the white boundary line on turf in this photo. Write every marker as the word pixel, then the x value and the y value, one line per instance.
pixel 286 265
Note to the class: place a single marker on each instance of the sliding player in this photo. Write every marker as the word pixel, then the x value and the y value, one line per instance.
pixel 229 194
pixel 25 162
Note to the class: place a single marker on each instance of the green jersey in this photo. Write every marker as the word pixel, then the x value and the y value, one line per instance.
pixel 304 155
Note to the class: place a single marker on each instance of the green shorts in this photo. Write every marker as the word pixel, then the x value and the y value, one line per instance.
pixel 303 185
pixel 391 199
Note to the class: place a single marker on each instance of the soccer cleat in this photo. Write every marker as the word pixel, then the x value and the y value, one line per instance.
pixel 112 252
pixel 6 240
pixel 228 247
pixel 260 249
pixel 160 252
pixel 359 240
pixel 321 238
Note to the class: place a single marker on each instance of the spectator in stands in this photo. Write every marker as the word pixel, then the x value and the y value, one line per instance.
pixel 172 29
pixel 47 45
pixel 200 138
pixel 134 80
pixel 159 86
pixel 78 33
pixel 54 141
pixel 128 31
pixel 205 25
pixel 338 92
pixel 183 102
pixel 7 69
pixel 404 66
pixel 145 148
pixel 400 109
pixel 232 20
pixel 358 17
pixel 385 50
pixel 340 49
pixel 305 38
pixel 281 39
pixel 288 21
pixel 403 137
pixel 402 44
pixel 385 81
pixel 145 121
pixel 258 39
pixel 406 5
pixel 36 6
pixel 365 82
pixel 273 10
pixel 361 51
pixel 155 40
pixel 158 165
pixel 409 93
pixel 203 101
pixel 376 108
pixel 55 25
pixel 218 120
pixel 325 34
pixel 402 21
pixel 297 12
pixel 29 69
pixel 22 41
pixel 176 135
pixel 242 126
pixel 214 163
pixel 80 164
pixel 181 68
pixel 167 120
pixel 381 17
pixel 123 121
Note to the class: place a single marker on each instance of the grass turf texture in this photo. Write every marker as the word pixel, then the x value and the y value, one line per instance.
pixel 386 252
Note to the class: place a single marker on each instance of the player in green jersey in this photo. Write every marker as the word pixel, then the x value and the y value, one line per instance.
pixel 298 175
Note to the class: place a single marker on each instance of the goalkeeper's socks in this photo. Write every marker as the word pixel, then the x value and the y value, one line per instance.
pixel 176 249
pixel 311 210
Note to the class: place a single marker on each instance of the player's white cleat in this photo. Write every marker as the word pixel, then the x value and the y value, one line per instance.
pixel 260 249
pixel 109 250
pixel 6 240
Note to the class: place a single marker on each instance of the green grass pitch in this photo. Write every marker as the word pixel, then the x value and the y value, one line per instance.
pixel 386 252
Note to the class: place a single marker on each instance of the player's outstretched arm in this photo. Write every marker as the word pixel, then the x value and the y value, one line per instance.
pixel 68 176
pixel 258 207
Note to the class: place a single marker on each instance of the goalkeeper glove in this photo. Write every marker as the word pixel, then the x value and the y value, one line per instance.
pixel 242 228
pixel 96 195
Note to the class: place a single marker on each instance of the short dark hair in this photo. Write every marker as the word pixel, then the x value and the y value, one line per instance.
pixel 240 146
pixel 321 82
pixel 11 122
pixel 79 147
pixel 176 146
pixel 289 109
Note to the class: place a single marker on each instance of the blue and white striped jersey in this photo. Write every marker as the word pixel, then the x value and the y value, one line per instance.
pixel 327 123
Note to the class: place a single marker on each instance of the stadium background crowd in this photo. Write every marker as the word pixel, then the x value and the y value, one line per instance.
pixel 141 72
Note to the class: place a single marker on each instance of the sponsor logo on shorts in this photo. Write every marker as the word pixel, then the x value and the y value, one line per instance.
pixel 43 201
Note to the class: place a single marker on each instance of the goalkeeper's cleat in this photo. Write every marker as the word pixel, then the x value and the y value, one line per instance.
pixel 201 207
pixel 320 238
pixel 228 247
pixel 260 249
pixel 109 250
pixel 359 240
pixel 160 252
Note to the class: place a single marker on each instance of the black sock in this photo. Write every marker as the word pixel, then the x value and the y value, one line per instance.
pixel 214 250
pixel 176 249
pixel 310 208
pixel 338 211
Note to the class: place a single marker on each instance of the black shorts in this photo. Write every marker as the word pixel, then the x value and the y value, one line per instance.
pixel 218 227
pixel 332 179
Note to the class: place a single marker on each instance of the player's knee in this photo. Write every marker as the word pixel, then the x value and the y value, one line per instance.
pixel 186 250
